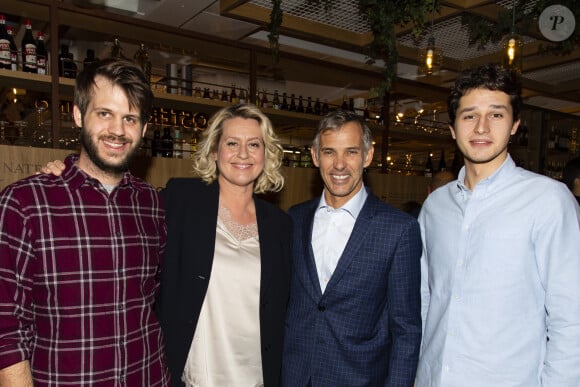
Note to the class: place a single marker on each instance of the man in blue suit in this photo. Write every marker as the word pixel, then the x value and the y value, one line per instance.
pixel 354 317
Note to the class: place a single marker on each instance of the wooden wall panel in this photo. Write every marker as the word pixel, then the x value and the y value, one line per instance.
pixel 300 183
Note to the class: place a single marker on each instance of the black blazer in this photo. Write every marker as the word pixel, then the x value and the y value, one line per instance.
pixel 191 213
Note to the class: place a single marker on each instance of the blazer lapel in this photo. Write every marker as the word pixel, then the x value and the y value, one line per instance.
pixel 268 245
pixel 355 241
pixel 309 275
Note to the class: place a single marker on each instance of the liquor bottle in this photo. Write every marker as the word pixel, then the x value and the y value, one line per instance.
pixel 325 107
pixel 206 94
pixel 442 163
pixel 167 143
pixel 309 109
pixel 156 143
pixel 292 103
pixel 317 107
pixel 264 103
pixel 234 96
pixel 344 105
pixel 284 105
pixel 351 104
pixel 242 98
pixel 28 50
pixel 300 108
pixel 177 144
pixel 276 101
pixel 5 62
pixel 64 66
pixel 90 58
pixel 13 49
pixel 429 166
pixel 193 142
pixel 143 60
pixel 117 50
pixel 71 69
pixel 41 54
pixel 224 96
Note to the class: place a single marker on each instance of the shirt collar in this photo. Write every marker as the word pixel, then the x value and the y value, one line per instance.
pixel 76 177
pixel 493 180
pixel 353 206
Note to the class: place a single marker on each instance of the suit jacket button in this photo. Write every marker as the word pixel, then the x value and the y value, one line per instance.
pixel 321 308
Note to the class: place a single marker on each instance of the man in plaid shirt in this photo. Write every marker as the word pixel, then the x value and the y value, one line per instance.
pixel 80 254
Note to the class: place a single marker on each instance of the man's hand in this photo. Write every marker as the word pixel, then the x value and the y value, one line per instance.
pixel 16 375
pixel 53 167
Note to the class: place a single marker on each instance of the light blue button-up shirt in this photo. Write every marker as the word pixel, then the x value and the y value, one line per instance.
pixel 501 283
pixel 331 231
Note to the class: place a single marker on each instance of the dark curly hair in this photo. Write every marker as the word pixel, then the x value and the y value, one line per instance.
pixel 489 76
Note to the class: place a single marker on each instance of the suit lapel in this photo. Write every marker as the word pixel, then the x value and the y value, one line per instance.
pixel 268 246
pixel 355 241
pixel 309 275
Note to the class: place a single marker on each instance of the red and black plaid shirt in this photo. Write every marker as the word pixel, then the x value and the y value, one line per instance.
pixel 78 278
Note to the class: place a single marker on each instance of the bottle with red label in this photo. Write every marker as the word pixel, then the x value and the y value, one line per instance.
pixel 4 45
pixel 28 50
pixel 41 55
pixel 13 49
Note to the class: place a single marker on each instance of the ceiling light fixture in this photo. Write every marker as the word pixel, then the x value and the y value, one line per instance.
pixel 430 57
pixel 512 46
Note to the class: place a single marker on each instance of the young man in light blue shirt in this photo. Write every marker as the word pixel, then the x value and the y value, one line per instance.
pixel 501 263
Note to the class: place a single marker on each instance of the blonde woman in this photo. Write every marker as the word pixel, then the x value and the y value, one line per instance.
pixel 226 274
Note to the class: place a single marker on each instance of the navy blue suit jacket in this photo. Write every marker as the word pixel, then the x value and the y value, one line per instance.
pixel 365 330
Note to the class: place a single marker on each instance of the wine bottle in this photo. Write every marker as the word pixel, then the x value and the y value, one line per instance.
pixel 309 109
pixel 429 166
pixel 90 58
pixel 28 50
pixel 234 96
pixel 66 66
pixel 71 67
pixel 143 60
pixel 292 103
pixel 167 143
pixel 284 105
pixel 117 50
pixel 317 107
pixel 276 101
pixel 325 108
pixel 442 163
pixel 13 49
pixel 156 143
pixel 177 144
pixel 300 108
pixel 5 62
pixel 344 105
pixel 41 54
pixel 264 101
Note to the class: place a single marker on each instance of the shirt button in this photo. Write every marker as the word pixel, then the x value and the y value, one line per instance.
pixel 117 234
pixel 120 307
pixel 446 368
pixel 321 308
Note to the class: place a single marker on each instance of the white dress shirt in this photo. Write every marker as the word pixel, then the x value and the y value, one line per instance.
pixel 331 231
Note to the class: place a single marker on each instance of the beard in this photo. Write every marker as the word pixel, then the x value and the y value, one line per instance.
pixel 91 149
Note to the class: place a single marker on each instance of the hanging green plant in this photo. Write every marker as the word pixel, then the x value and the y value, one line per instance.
pixel 274 28
pixel 481 31
pixel 383 16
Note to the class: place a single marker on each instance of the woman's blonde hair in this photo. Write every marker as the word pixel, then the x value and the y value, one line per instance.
pixel 271 179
